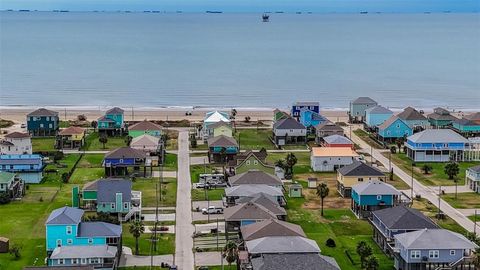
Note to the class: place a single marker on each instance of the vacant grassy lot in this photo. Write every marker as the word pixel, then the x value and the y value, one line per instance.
pixel 91 161
pixel 437 176
pixel 253 139
pixel 43 144
pixel 212 194
pixel 165 245
pixel 196 170
pixel 171 163
pixel 53 171
pixel 147 187
pixel 92 142
pixel 303 161
pixel 463 200
pixel 84 175
pixel 362 134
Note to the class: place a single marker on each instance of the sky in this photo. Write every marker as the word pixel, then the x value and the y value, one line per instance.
pixel 248 5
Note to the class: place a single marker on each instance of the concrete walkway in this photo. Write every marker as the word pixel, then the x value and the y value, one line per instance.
pixel 184 229
pixel 429 193
pixel 172 174
pixel 132 260
pixel 209 258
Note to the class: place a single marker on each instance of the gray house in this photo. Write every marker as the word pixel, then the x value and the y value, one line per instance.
pixel 270 227
pixel 267 201
pixel 289 131
pixel 245 214
pixel 255 177
pixel 356 114
pixel 392 221
pixel 294 261
pixel 472 177
pixel 433 249
pixel 327 129
pixel 234 194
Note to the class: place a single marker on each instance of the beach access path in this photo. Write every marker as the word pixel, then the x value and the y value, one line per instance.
pixel 183 226
pixel 427 192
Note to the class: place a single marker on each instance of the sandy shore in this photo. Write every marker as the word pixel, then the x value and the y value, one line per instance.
pixel 18 115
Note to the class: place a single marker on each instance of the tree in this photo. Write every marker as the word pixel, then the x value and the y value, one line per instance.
pixel 371 263
pixel 451 169
pixel 230 253
pixel 399 143
pixel 263 151
pixel 15 251
pixel 136 229
pixel 322 192
pixel 94 125
pixel 393 149
pixel 128 140
pixel 476 259
pixel 103 140
pixel 4 198
pixel 58 155
pixel 65 177
pixel 247 119
pixel 233 114
pixel 426 169
pixel 363 250
pixel 81 117
pixel 290 161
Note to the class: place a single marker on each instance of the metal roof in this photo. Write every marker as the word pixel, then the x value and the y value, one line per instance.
pixel 295 261
pixel 94 251
pixel 282 244
pixel 99 229
pixel 65 215
pixel 434 239
pixel 254 177
pixel 108 188
pixel 337 139
pixel 375 188
pixel 364 100
pixel 378 110
pixel 437 136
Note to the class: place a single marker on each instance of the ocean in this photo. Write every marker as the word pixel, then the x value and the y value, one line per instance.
pixel 198 59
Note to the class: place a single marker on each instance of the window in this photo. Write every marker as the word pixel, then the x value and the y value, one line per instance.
pixel 452 252
pixel 75 261
pixel 90 241
pixel 398 125
pixel 50 125
pixel 121 160
pixel 125 205
pixel 69 241
pixel 112 205
pixel 103 205
pixel 61 261
pixel 415 254
pixel 360 179
pixel 83 261
pixel 248 162
pixel 433 254
pixel 41 125
pixel 59 242
pixel 379 197
pixel 255 162
pixel 69 229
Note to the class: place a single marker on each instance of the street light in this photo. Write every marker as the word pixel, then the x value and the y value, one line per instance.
pixel 411 193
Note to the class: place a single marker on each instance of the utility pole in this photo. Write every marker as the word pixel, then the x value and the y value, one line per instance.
pixel 439 200
pixel 475 223
pixel 411 192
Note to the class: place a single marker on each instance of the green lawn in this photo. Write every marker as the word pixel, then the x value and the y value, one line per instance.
pixel 213 194
pixel 340 225
pixel 362 134
pixel 472 218
pixel 165 245
pixel 62 166
pixel 219 267
pixel 303 161
pixel 437 176
pixel 464 200
pixel 92 142
pixel 84 175
pixel 91 161
pixel 171 162
pixel 147 187
pixel 253 139
pixel 43 144
pixel 196 170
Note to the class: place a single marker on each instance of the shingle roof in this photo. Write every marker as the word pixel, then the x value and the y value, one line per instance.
pixel 107 189
pixel 252 191
pixel 390 121
pixel 243 156
pixel 222 141
pixel 270 227
pixel 43 112
pixel 437 136
pixel 105 119
pixel 90 186
pixel 95 251
pixel 23 159
pixel 125 152
pixel 65 215
pixel 144 126
pixel 364 100
pixel 267 201
pixel 288 123
pixel 72 131
pixel 466 122
pixel 17 135
pixel 282 244
pixel 115 110
pixel 328 126
pixel 434 239
pixel 404 218
pixel 473 116
pixel 254 177
pixel 295 261
pixel 333 152
pixel 358 168
pixel 410 113
pixel 249 211
pixel 378 110
pixel 436 116
pixel 375 188
pixel 337 139
pixel 6 177
pixel 99 229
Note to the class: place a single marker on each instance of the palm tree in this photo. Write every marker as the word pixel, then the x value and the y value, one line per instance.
pixel 363 250
pixel 322 192
pixel 290 160
pixel 371 263
pixel 94 125
pixel 136 229
pixel 233 113
pixel 103 139
pixel 128 140
pixel 230 252
pixel 399 143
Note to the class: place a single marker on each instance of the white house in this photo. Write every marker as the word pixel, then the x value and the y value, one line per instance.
pixel 472 177
pixel 16 143
pixel 329 159
pixel 289 131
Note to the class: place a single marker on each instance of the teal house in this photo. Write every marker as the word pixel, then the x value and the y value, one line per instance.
pixel 112 123
pixel 393 129
pixel 373 195
pixel 144 127
pixel 441 118
pixel 466 126
pixel 222 148
pixel 43 122
pixel 70 241
pixel 414 119
pixel 375 116
pixel 357 109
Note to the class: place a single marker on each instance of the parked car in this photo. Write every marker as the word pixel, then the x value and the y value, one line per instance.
pixel 212 210
pixel 217 184
pixel 23 125
pixel 202 185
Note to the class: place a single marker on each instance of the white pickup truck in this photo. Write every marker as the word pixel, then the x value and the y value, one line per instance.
pixel 212 210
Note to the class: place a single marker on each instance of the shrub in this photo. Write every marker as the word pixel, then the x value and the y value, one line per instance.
pixel 330 243
pixel 81 117
pixel 4 198
pixel 15 251
pixel 393 149
pixel 57 156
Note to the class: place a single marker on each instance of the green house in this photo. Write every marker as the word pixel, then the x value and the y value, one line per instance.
pixel 440 118
pixel 145 127
pixel 250 160
pixel 10 184
pixel 279 115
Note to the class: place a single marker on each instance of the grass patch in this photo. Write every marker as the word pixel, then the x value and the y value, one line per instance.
pixel 196 170
pixel 473 218
pixel 84 175
pixel 92 143
pixel 165 244
pixel 171 162
pixel 362 134
pixel 303 161
pixel 212 194
pixel 64 165
pixel 253 139
pixel 43 144
pixel 91 161
pixel 463 200
pixel 147 187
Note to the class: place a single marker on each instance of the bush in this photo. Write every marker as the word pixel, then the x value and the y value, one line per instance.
pixel 330 243
pixel 81 117
pixel 57 156
pixel 393 149
pixel 15 251
pixel 4 198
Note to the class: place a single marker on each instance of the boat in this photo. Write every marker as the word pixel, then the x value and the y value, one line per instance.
pixel 213 11
pixel 265 17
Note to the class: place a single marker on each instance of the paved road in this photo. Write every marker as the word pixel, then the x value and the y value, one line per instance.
pixel 429 193
pixel 184 229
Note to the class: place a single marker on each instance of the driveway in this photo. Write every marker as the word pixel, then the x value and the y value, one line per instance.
pixel 132 260
pixel 209 258
pixel 161 217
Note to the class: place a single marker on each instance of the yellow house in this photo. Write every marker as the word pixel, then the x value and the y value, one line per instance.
pixel 71 136
pixel 356 173
pixel 222 128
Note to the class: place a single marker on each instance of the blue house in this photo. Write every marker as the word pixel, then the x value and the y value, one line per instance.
pixel 433 249
pixel 356 113
pixel 43 122
pixel 414 119
pixel 394 128
pixel 375 116
pixel 389 222
pixel 125 160
pixel 436 145
pixel 309 106
pixel 373 195
pixel 112 123
pixel 222 148
pixel 28 167
pixel 69 241
pixel 311 119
